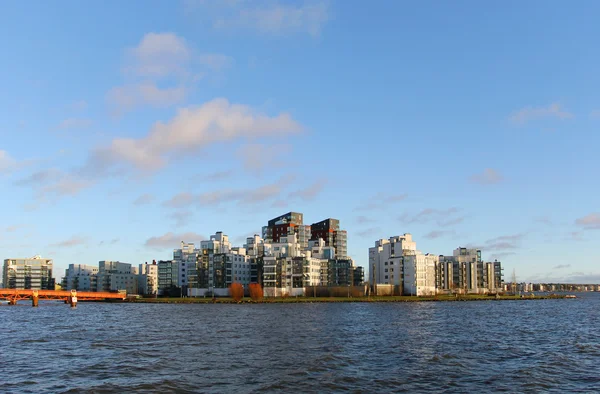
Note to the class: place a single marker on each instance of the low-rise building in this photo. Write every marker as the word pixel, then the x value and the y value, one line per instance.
pixel 117 276
pixel 81 277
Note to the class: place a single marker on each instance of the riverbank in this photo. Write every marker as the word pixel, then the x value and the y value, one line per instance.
pixel 293 300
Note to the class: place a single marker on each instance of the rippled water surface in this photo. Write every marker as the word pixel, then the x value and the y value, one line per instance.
pixel 513 346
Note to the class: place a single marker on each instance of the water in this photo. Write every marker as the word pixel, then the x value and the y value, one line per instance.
pixel 513 346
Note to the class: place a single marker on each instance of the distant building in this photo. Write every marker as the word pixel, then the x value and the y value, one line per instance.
pixel 80 277
pixel 466 272
pixel 148 279
pixel 186 260
pixel 34 273
pixel 167 277
pixel 115 276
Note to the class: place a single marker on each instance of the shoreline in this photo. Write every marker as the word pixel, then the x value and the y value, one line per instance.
pixel 304 300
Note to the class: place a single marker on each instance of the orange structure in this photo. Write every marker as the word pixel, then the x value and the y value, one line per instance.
pixel 70 297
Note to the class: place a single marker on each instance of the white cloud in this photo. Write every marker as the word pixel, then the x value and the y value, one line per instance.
pixel 190 130
pixel 171 240
pixel 74 123
pixel 488 177
pixel 527 114
pixel 160 55
pixel 589 222
pixel 162 69
pixel 7 163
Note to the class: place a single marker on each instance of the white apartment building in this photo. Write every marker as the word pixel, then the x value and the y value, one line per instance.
pixel 115 276
pixel 185 259
pixel 148 279
pixel 33 273
pixel 419 273
pixel 81 277
pixel 397 262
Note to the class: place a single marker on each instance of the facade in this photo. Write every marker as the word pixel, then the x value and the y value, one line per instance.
pixel 285 225
pixel 80 277
pixel 466 272
pixel 167 276
pixel 34 273
pixel 396 262
pixel 117 276
pixel 186 259
pixel 329 231
pixel 148 279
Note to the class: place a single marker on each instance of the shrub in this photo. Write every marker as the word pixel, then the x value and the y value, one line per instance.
pixel 256 291
pixel 236 291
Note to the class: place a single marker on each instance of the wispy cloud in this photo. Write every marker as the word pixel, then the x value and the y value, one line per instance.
pixel 381 201
pixel 595 114
pixel 273 17
pixel 246 196
pixel 181 218
pixel 562 266
pixel 589 222
pixel 215 176
pixel 528 114
pixel 144 199
pixel 488 177
pixel 215 61
pixel 438 234
pixel 190 130
pixel 364 220
pixel 171 240
pixel 79 105
pixel 368 232
pixel 71 242
pixel 257 157
pixel 310 192
pixel 53 182
pixel 161 71
pixel 442 217
pixel 504 242
pixel 7 163
pixel 74 123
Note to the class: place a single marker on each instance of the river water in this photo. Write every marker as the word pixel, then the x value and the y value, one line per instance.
pixel 487 346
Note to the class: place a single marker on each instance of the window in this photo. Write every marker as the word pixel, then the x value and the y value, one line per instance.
pixel 386 270
pixel 386 277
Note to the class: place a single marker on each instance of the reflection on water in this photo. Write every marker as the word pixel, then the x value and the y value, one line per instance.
pixel 456 346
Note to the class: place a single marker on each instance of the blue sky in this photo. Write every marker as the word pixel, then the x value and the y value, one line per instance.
pixel 128 127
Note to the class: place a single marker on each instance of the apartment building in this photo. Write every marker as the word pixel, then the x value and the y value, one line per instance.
pixel 80 277
pixel 28 273
pixel 397 262
pixel 117 276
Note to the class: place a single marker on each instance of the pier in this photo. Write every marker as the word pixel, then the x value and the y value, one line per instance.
pixel 70 297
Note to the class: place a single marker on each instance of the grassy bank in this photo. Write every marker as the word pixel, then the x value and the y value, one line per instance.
pixel 293 300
